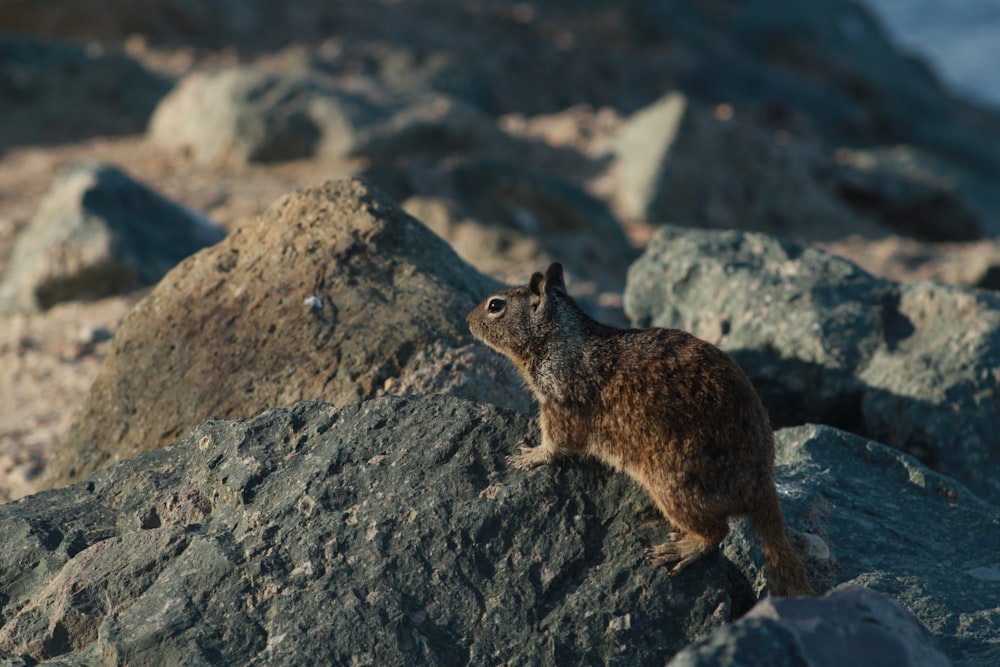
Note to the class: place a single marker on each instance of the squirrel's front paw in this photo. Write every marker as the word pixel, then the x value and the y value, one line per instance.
pixel 530 457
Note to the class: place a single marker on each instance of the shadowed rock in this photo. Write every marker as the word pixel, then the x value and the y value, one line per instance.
pixel 52 91
pixel 892 526
pixel 97 233
pixel 851 626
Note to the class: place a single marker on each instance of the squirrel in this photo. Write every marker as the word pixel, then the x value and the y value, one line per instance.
pixel 673 411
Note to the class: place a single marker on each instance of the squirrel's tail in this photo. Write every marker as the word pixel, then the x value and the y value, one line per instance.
pixel 786 575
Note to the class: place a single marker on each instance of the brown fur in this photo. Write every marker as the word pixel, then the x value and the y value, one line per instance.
pixel 673 411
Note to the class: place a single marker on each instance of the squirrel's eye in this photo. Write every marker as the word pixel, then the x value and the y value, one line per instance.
pixel 495 305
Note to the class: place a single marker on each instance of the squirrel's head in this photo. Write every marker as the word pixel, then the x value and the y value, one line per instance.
pixel 519 321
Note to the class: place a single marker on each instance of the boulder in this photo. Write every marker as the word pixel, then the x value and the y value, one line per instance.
pixel 850 626
pixel 675 160
pixel 386 532
pixel 96 233
pixel 331 294
pixel 912 365
pixel 509 219
pixel 678 161
pixel 52 91
pixel 907 198
pixel 252 115
pixel 393 531
pixel 892 526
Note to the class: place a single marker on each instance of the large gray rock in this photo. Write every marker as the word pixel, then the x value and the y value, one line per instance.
pixel 334 293
pixel 393 531
pixel 896 527
pixel 98 232
pixel 386 532
pixel 51 91
pixel 850 626
pixel 252 115
pixel 912 365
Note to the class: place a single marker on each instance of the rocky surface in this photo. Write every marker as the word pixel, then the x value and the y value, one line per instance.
pixel 897 527
pixel 913 365
pixel 385 532
pixel 850 626
pixel 98 233
pixel 394 531
pixel 333 293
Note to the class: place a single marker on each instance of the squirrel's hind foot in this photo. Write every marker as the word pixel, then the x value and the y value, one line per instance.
pixel 530 457
pixel 680 549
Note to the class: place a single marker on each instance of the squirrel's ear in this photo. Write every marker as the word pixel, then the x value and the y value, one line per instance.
pixel 535 284
pixel 554 277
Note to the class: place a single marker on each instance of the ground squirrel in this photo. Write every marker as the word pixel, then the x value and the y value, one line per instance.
pixel 671 410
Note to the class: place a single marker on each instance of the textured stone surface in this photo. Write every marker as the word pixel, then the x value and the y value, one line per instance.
pixel 850 626
pixel 896 527
pixel 679 163
pixel 393 530
pixel 386 532
pixel 912 365
pixel 332 293
pixel 832 65
pixel 97 233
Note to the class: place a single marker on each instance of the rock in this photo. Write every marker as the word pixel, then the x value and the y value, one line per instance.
pixel 849 626
pixel 895 527
pixel 753 641
pixel 912 365
pixel 386 532
pixel 974 264
pixel 677 162
pixel 471 371
pixel 97 233
pixel 52 92
pixel 251 115
pixel 406 71
pixel 492 248
pixel 508 219
pixel 398 530
pixel 833 63
pixel 331 294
